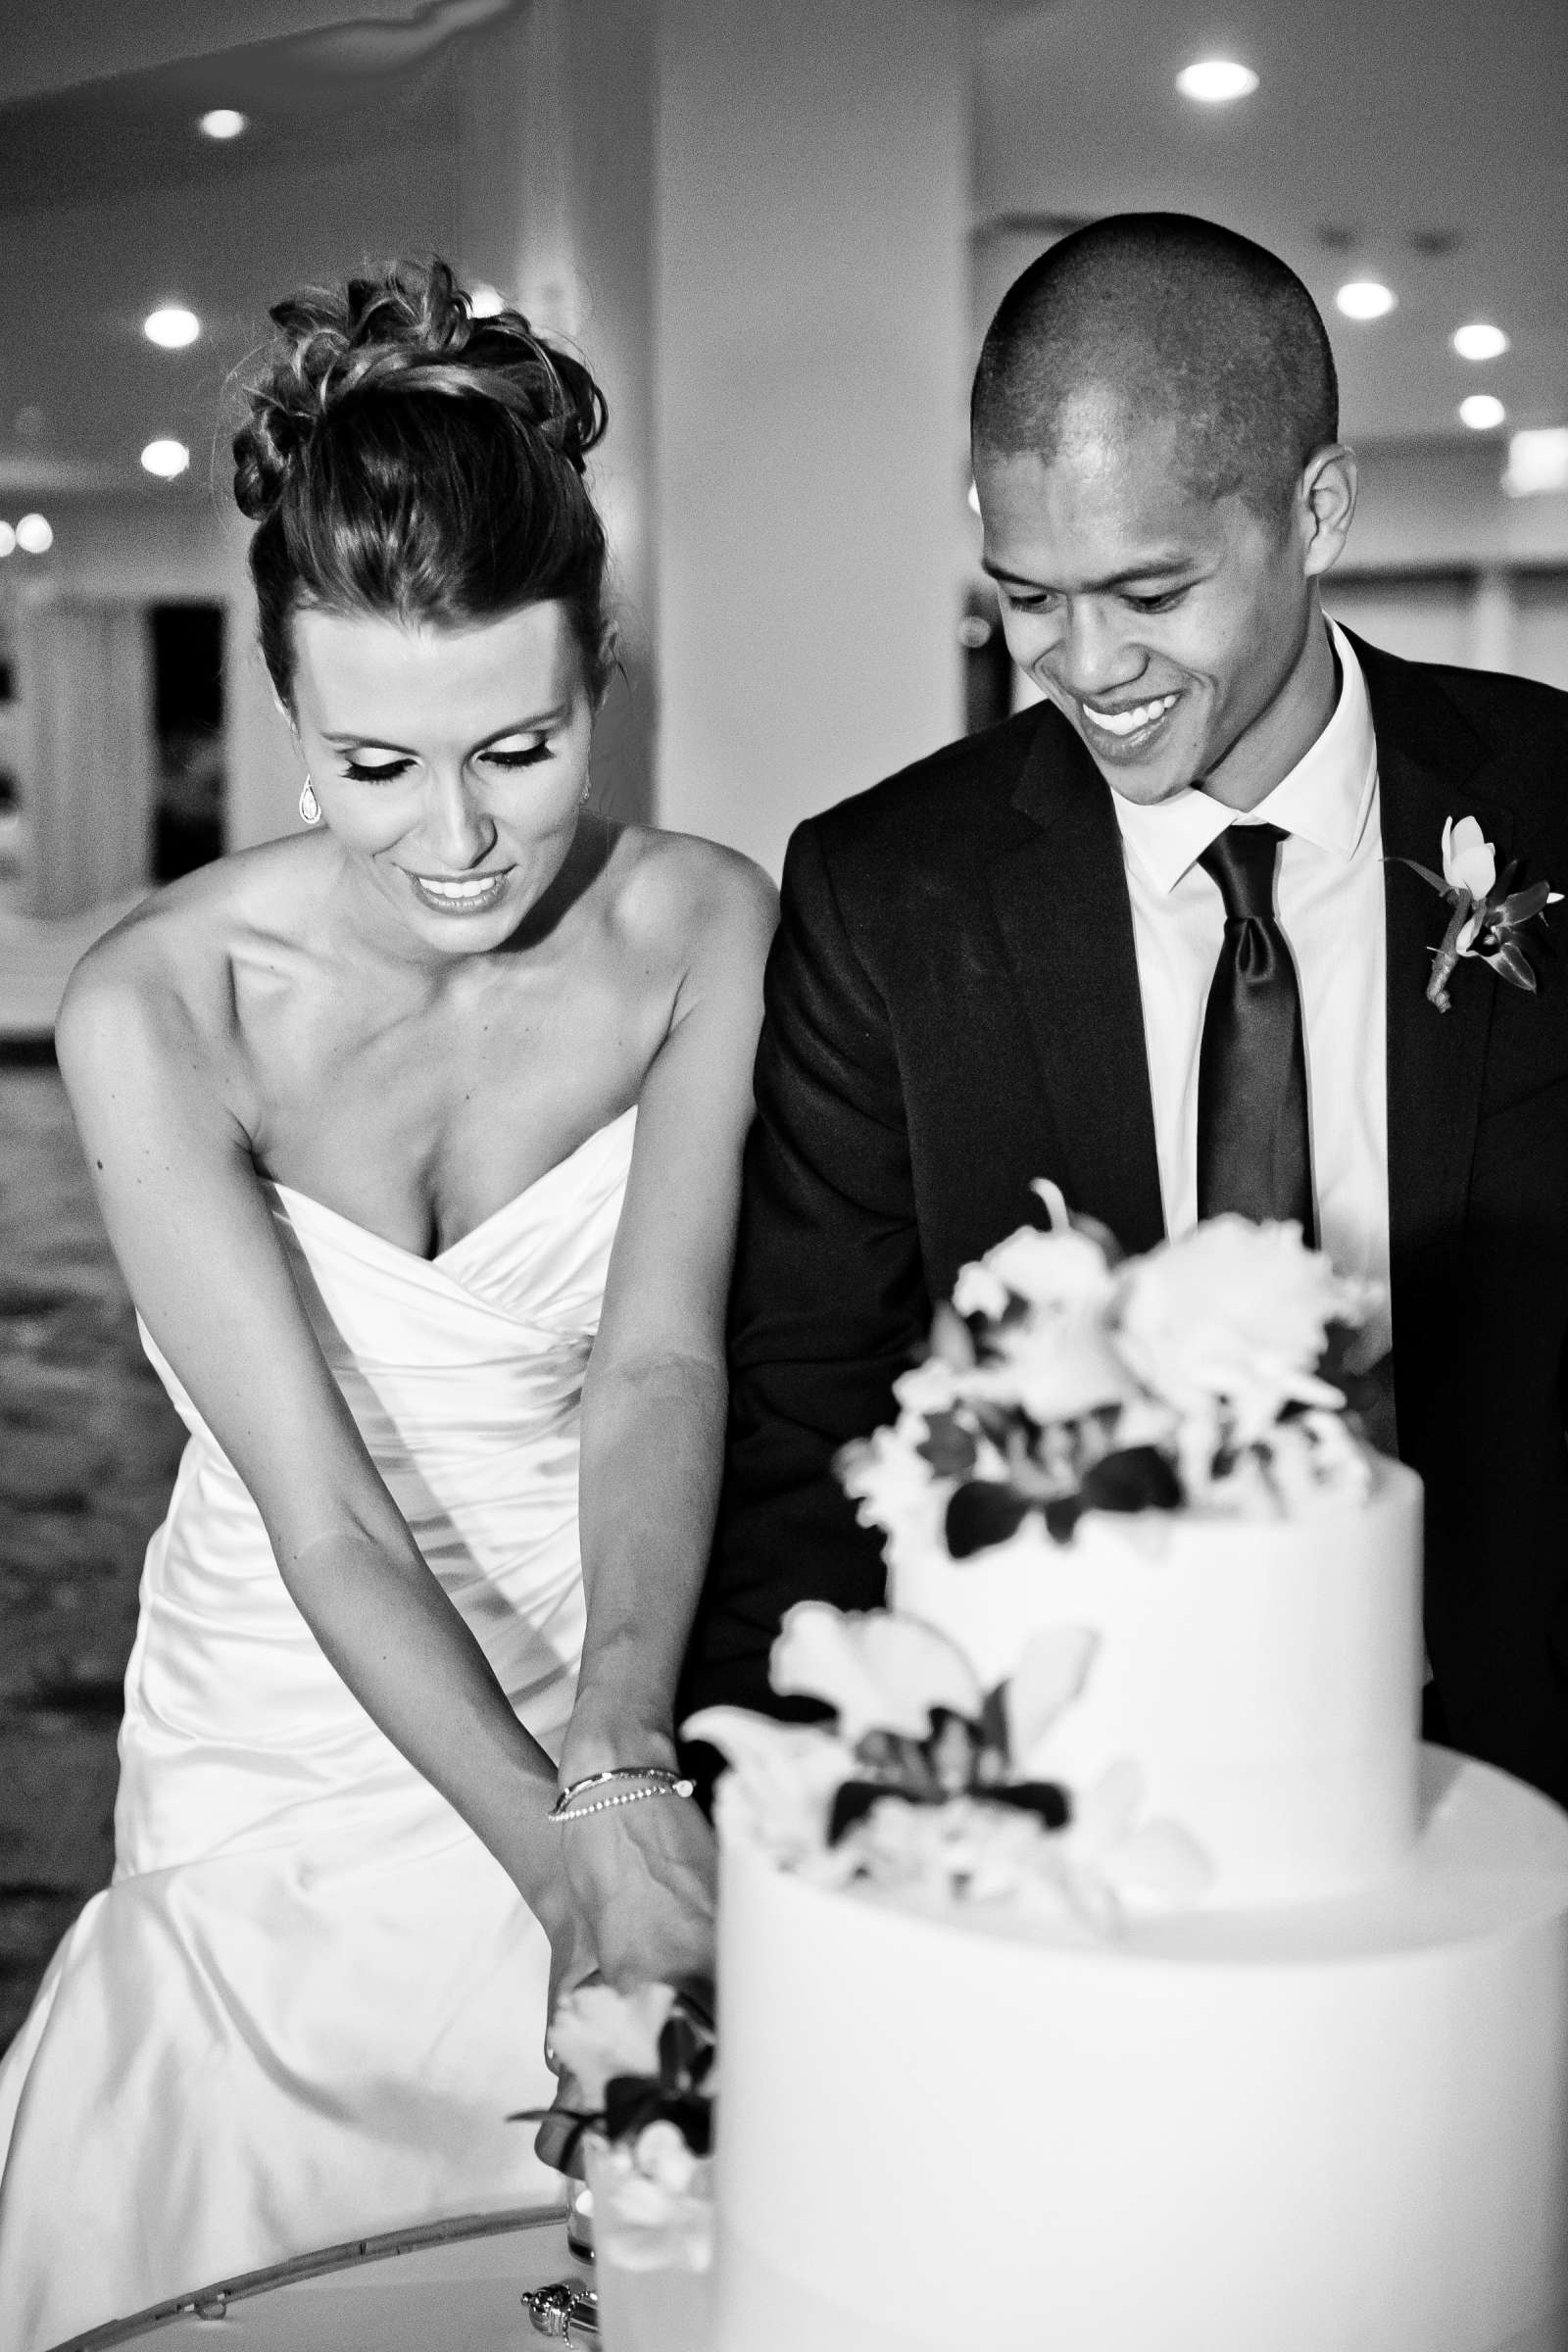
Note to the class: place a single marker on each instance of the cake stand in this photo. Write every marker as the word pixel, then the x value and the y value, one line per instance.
pixel 451 2286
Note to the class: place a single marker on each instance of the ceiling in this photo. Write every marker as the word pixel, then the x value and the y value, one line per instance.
pixel 111 202
pixel 1419 141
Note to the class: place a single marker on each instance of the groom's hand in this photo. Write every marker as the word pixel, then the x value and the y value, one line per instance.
pixel 643 1882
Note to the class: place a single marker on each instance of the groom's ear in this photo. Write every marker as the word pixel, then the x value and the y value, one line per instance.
pixel 1325 507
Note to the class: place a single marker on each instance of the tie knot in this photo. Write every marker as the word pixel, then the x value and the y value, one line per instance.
pixel 1241 862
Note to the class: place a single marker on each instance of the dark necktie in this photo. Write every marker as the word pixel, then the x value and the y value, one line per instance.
pixel 1253 1148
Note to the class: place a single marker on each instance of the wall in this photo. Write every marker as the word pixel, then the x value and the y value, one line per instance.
pixel 813 203
pixel 1442 567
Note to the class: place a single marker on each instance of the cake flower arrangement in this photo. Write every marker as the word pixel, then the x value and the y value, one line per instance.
pixel 923 1786
pixel 642 2063
pixel 1062 1380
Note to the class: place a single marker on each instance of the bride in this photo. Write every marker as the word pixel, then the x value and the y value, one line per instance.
pixel 417 1137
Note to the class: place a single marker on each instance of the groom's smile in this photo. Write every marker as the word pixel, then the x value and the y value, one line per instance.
pixel 1176 631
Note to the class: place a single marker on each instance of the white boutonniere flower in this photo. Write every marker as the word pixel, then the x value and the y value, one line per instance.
pixel 1488 914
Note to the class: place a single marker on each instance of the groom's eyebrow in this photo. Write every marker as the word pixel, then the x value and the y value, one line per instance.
pixel 1155 567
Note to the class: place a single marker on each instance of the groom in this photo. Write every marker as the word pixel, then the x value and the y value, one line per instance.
pixel 1155 940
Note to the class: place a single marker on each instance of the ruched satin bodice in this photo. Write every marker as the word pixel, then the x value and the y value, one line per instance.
pixel 305 2005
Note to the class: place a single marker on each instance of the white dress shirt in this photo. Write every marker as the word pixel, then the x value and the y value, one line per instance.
pixel 1329 901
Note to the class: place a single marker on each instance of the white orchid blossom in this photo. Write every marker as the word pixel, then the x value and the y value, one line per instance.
pixel 1238 1314
pixel 1060 1371
pixel 880 1671
pixel 1048 1677
pixel 782 1779
pixel 890 1480
pixel 1113 1862
pixel 597 2034
pixel 654 2203
pixel 1469 861
pixel 1063 1272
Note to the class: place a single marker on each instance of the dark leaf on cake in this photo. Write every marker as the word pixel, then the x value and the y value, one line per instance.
pixel 995 1728
pixel 632 2102
pixel 1062 1516
pixel 948 1447
pixel 685 2051
pixel 1137 1479
pixel 1046 1799
pixel 980 1513
pixel 852 1803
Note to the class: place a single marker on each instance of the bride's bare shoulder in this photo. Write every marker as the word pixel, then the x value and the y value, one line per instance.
pixel 689 896
pixel 164 978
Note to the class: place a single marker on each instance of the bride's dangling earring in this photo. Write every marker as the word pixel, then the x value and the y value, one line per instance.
pixel 310 806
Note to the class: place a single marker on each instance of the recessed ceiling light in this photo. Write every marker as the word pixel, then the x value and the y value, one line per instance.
pixel 1480 342
pixel 223 122
pixel 34 536
pixel 166 458
pixel 1538 461
pixel 1365 298
pixel 7 540
pixel 485 300
pixel 1216 80
pixel 1480 412
pixel 171 327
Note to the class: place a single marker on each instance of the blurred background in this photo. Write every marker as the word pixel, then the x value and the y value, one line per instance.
pixel 777 228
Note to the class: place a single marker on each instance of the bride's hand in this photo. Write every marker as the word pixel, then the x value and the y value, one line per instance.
pixel 643 1879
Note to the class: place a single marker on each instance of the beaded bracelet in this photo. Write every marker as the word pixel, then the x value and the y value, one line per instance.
pixel 657 1781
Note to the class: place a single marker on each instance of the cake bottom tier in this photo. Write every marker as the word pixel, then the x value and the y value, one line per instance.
pixel 1340 2128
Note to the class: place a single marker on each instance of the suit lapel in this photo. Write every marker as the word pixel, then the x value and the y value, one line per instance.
pixel 1427 772
pixel 1061 899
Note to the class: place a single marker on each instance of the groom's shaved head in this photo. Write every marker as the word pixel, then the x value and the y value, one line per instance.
pixel 1151 318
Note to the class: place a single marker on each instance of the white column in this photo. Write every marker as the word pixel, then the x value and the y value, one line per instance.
pixel 1493 620
pixel 753 216
pixel 811 332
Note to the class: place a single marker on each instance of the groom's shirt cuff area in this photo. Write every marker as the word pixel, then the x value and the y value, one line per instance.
pixel 1329 896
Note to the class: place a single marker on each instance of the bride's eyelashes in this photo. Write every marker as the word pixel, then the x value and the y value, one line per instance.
pixel 388 772
pixel 529 758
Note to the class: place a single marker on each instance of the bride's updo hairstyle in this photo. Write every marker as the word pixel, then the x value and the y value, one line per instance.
pixel 407 460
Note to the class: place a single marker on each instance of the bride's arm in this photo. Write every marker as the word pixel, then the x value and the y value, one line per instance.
pixel 155 1104
pixel 653 1428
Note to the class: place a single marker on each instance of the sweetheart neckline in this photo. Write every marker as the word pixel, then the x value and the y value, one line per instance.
pixel 416 1258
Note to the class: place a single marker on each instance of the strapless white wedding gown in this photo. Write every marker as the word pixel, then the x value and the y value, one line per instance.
pixel 302 2009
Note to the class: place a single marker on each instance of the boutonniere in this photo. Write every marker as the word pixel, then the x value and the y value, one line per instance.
pixel 1488 914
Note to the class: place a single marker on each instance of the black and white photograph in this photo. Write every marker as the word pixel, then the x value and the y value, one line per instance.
pixel 784 1175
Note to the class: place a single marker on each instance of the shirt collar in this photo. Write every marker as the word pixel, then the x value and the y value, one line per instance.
pixel 1325 798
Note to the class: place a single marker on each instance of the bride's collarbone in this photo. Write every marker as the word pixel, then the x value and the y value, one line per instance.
pixel 421 1137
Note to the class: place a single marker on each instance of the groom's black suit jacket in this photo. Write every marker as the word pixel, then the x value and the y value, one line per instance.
pixel 952 1010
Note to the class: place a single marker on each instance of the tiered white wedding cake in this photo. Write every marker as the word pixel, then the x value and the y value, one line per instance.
pixel 1117 1973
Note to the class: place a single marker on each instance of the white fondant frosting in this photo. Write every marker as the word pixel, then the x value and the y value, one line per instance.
pixel 1338 2124
pixel 1263 1674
